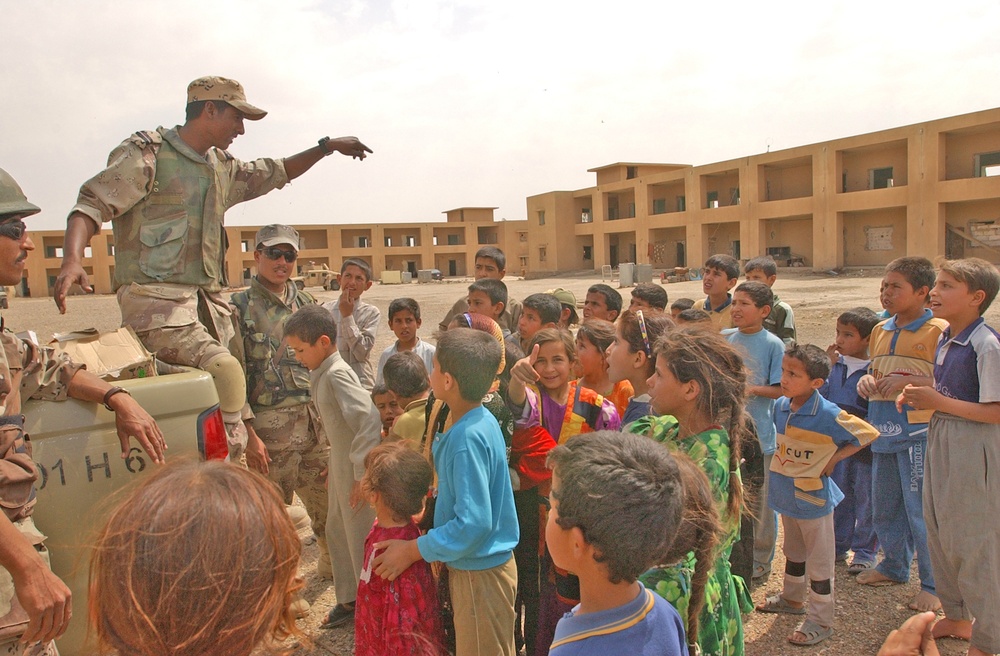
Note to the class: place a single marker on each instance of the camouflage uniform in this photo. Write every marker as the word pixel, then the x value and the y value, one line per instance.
pixel 167 204
pixel 284 416
pixel 26 371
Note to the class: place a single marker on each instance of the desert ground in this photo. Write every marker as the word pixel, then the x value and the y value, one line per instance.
pixel 864 615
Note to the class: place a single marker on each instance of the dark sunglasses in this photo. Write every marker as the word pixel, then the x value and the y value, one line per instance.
pixel 275 253
pixel 13 229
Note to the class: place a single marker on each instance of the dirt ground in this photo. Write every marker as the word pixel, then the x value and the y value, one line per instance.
pixel 864 615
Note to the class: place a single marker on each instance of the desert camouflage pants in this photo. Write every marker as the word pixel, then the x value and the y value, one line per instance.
pixel 11 617
pixel 183 325
pixel 299 457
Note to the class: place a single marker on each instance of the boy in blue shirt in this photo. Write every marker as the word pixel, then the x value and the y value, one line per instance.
pixel 475 525
pixel 616 505
pixel 963 443
pixel 762 352
pixel 852 520
pixel 813 436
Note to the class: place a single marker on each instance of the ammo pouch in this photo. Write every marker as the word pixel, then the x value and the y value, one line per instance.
pixel 17 469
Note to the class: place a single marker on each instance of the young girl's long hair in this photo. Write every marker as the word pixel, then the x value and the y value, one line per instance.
pixel 699 532
pixel 630 328
pixel 400 475
pixel 715 364
pixel 199 559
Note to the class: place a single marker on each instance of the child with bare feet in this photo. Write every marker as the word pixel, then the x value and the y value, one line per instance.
pixel 963 440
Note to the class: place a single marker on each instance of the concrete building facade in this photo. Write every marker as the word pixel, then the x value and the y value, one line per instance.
pixel 450 246
pixel 928 189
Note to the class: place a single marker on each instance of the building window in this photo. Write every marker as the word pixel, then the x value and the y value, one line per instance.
pixel 364 242
pixel 410 241
pixel 453 240
pixel 585 216
pixel 541 254
pixel 588 252
pixel 987 164
pixel 631 172
pixel 659 205
pixel 388 243
pixel 681 203
pixel 522 236
pixel 712 199
pixel 880 178
pixel 541 217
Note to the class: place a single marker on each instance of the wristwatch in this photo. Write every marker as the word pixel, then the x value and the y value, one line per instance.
pixel 322 146
pixel 111 392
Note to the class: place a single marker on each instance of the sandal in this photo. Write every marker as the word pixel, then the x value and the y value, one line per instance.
pixel 858 566
pixel 813 632
pixel 777 604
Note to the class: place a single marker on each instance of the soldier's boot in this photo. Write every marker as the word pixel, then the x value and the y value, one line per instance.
pixel 236 436
pixel 300 518
pixel 299 607
pixel 324 566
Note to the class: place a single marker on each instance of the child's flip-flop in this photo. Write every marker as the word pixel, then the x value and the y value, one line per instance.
pixel 813 632
pixel 859 566
pixel 776 604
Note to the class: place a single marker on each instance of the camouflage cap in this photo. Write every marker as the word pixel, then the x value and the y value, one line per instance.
pixel 213 87
pixel 565 296
pixel 274 234
pixel 12 199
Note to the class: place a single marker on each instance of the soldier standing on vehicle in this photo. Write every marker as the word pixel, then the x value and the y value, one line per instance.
pixel 166 193
pixel 287 442
pixel 35 606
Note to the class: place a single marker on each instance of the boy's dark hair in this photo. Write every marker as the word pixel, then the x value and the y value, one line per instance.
pixel 547 306
pixel 977 274
pixel 764 263
pixel 405 374
pixel 561 335
pixel 861 318
pixel 918 271
pixel 758 292
pixel 598 332
pixel 361 264
pixel 378 389
pixel 625 494
pixel 693 315
pixel 400 475
pixel 612 299
pixel 682 304
pixel 653 294
pixel 400 304
pixel 813 358
pixel 725 263
pixel 495 289
pixel 472 358
pixel 495 254
pixel 309 323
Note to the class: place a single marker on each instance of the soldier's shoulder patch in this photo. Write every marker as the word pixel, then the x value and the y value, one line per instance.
pixel 144 138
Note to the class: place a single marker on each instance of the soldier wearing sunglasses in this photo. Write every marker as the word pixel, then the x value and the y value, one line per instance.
pixel 27 587
pixel 165 193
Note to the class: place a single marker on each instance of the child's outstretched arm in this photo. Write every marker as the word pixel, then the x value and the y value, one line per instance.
pixel 925 397
pixel 522 374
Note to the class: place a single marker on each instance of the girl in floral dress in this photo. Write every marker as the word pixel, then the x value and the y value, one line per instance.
pixel 399 617
pixel 697 393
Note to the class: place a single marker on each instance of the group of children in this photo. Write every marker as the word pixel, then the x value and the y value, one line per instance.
pixel 585 494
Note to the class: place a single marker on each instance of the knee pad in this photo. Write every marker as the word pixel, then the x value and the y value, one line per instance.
pixel 823 587
pixel 230 382
pixel 795 569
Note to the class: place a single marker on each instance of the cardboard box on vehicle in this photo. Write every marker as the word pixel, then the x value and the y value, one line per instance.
pixel 113 355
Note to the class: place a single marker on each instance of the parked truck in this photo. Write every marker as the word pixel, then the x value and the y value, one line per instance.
pixel 81 471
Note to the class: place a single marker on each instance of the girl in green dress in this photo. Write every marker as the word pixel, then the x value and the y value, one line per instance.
pixel 697 392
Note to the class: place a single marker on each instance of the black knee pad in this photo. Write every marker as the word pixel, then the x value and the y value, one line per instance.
pixel 823 587
pixel 795 569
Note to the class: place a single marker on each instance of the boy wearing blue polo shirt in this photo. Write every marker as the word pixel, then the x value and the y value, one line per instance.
pixel 963 442
pixel 813 436
pixel 902 352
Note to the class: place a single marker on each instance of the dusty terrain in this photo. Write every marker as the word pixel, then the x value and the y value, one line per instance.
pixel 864 615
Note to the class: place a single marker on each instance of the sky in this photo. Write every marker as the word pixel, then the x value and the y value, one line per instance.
pixel 474 103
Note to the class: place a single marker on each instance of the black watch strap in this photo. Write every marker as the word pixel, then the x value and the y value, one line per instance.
pixel 111 392
pixel 322 145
